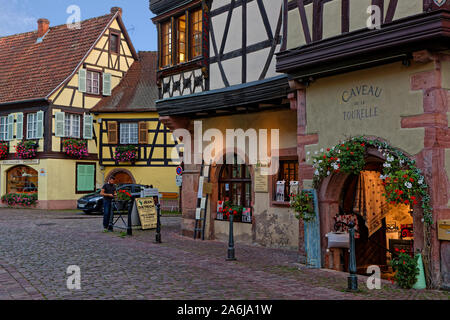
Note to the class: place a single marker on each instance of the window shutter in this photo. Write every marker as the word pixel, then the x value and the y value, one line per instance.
pixel 106 84
pixel 112 132
pixel 19 126
pixel 143 132
pixel 82 80
pixel 88 129
pixel 10 127
pixel 60 124
pixel 40 125
pixel 85 177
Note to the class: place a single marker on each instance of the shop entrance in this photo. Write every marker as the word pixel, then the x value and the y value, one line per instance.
pixel 383 228
pixel 122 177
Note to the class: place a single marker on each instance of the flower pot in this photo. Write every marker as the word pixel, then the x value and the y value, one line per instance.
pixel 122 205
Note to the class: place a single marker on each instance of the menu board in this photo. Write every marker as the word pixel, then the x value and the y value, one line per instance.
pixel 147 213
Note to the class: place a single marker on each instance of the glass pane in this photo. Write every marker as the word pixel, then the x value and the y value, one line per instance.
pixel 248 195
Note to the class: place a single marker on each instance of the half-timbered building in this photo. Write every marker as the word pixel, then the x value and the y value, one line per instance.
pixel 377 69
pixel 49 81
pixel 217 69
pixel 127 120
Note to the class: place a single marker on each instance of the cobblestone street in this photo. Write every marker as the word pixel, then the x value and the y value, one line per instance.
pixel 36 247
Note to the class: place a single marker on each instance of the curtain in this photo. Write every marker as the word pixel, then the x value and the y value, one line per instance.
pixel 369 201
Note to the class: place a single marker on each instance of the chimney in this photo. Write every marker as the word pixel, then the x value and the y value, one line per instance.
pixel 116 9
pixel 43 25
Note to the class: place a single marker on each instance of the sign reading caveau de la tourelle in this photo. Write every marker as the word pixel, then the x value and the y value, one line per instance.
pixel 362 100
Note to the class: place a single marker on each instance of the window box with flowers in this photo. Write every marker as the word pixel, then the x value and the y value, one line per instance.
pixel 126 154
pixel 26 149
pixel 20 199
pixel 75 148
pixel 4 150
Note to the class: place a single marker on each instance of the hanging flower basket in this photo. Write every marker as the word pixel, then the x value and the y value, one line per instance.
pixel 26 149
pixel 303 206
pixel 74 148
pixel 4 150
pixel 126 154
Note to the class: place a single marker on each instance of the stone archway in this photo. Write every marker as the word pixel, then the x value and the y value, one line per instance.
pixel 329 193
pixel 123 176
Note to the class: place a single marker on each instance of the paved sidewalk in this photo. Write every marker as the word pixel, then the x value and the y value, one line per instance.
pixel 36 247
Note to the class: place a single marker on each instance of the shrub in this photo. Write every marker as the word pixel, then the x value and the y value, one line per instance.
pixel 406 269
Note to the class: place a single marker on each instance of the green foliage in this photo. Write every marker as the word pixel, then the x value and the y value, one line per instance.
pixel 406 269
pixel 303 205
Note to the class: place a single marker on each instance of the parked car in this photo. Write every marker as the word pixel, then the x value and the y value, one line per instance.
pixel 93 202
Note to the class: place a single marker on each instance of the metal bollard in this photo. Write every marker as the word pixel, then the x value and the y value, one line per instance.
pixel 231 256
pixel 158 223
pixel 352 279
pixel 130 209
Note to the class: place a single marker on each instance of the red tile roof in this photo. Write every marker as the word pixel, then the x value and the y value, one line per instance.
pixel 137 92
pixel 30 70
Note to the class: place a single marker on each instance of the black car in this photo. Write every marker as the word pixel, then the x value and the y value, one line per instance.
pixel 93 202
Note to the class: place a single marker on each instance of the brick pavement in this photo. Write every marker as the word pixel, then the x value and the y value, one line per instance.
pixel 36 247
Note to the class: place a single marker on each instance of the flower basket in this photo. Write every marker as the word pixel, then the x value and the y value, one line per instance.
pixel 75 148
pixel 4 150
pixel 26 149
pixel 126 154
pixel 231 209
pixel 122 205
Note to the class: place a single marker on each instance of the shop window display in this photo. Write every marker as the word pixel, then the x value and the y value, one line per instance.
pixel 22 179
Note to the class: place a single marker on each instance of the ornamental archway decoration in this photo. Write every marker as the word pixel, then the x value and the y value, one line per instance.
pixel 403 181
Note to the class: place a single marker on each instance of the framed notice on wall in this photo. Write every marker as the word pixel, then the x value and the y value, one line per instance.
pixel 261 182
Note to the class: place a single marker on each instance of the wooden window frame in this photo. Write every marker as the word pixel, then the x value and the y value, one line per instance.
pixel 116 132
pixel 119 39
pixel 100 83
pixel 6 127
pixel 76 177
pixel 119 132
pixel 25 136
pixel 284 155
pixel 169 45
pixel 191 36
pixel 80 129
pixel 178 39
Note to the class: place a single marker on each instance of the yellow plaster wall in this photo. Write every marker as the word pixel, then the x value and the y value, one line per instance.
pixel 325 107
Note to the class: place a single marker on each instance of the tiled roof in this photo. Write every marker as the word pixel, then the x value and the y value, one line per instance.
pixel 137 92
pixel 30 70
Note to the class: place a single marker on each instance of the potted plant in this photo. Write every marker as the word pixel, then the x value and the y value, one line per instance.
pixel 303 206
pixel 75 148
pixel 26 149
pixel 123 198
pixel 126 154
pixel 231 209
pixel 406 269
pixel 4 150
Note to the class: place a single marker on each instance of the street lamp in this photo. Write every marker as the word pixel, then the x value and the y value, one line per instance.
pixel 352 279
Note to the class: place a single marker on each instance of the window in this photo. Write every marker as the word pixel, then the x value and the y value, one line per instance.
pixel 22 179
pixel 166 45
pixel 32 126
pixel 288 172
pixel 181 38
pixel 114 42
pixel 72 125
pixel 235 184
pixel 85 178
pixel 129 133
pixel 93 82
pixel 3 128
pixel 188 44
pixel 196 35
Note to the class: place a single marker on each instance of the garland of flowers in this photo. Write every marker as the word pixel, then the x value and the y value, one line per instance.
pixel 125 153
pixel 403 181
pixel 21 199
pixel 75 148
pixel 303 206
pixel 26 149
pixel 4 150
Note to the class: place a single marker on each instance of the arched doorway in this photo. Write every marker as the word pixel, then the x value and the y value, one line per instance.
pixel 340 198
pixel 122 176
pixel 22 179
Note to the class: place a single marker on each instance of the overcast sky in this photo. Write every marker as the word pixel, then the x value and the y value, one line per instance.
pixel 17 16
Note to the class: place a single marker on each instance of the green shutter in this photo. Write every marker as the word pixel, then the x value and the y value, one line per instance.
pixel 40 125
pixel 106 84
pixel 10 127
pixel 59 124
pixel 19 126
pixel 88 127
pixel 85 177
pixel 82 80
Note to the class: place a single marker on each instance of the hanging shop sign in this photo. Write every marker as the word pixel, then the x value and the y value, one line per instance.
pixel 293 187
pixel 146 210
pixel 444 230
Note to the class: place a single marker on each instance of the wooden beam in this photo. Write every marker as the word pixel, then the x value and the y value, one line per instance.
pixel 304 19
